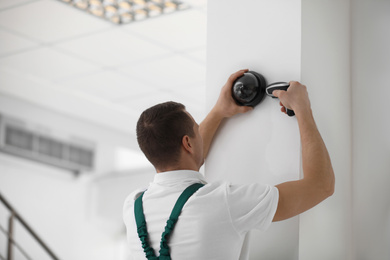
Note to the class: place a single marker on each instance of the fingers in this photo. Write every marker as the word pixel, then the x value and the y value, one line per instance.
pixel 278 93
pixel 283 108
pixel 295 97
pixel 237 74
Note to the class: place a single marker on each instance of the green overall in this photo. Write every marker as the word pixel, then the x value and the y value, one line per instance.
pixel 141 223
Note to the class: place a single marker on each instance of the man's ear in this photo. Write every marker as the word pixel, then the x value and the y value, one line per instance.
pixel 186 142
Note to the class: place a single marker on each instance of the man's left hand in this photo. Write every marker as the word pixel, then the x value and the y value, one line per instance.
pixel 226 106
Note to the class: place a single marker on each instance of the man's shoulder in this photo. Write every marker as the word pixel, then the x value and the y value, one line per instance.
pixel 129 201
pixel 214 188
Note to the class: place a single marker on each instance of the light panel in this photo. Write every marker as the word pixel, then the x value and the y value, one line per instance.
pixel 126 11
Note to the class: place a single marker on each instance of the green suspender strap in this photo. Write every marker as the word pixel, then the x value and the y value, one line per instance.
pixel 141 223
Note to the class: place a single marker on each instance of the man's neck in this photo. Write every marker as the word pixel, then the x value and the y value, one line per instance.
pixel 178 168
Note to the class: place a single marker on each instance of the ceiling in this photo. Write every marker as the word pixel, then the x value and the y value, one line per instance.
pixel 66 60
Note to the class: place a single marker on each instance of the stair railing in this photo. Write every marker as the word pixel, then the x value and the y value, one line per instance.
pixel 11 241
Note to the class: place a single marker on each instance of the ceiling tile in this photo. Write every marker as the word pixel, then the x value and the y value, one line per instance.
pixel 13 3
pixel 195 93
pixel 50 20
pixel 10 43
pixel 46 63
pixel 144 102
pixel 197 3
pixel 194 105
pixel 153 61
pixel 168 73
pixel 58 99
pixel 198 55
pixel 108 85
pixel 181 30
pixel 113 47
pixel 198 113
pixel 193 98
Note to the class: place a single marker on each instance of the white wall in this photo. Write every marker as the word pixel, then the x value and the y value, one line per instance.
pixel 345 62
pixel 53 202
pixel 371 127
pixel 78 217
pixel 40 119
pixel 262 145
pixel 325 231
pixel 345 58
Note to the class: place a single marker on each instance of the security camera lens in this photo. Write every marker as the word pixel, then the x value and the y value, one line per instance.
pixel 245 88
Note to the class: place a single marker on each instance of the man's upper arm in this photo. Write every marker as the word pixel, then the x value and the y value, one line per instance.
pixel 251 205
pixel 296 197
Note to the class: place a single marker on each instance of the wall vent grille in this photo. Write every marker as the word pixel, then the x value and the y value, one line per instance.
pixel 15 139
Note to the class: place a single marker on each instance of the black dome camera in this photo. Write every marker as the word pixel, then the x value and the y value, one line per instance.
pixel 249 89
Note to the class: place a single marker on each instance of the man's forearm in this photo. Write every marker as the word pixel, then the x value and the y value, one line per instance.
pixel 207 129
pixel 316 162
pixel 224 108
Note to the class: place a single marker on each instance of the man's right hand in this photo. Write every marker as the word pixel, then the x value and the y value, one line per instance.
pixel 318 180
pixel 295 98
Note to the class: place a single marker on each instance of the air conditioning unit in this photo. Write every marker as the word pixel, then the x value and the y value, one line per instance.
pixel 18 140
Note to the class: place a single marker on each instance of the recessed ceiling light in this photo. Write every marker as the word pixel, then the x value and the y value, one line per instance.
pixel 126 11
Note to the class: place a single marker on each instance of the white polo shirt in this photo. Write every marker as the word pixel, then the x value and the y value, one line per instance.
pixel 213 222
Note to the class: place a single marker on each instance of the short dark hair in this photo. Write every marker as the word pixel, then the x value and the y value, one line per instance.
pixel 160 130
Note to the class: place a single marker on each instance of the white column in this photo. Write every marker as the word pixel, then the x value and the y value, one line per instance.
pixel 262 145
pixel 325 231
pixel 371 127
pixel 339 49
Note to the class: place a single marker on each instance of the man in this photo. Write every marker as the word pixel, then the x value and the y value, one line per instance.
pixel 214 217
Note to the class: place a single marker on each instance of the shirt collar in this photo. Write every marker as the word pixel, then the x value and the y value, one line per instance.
pixel 180 176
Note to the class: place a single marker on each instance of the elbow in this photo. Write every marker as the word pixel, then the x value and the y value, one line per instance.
pixel 330 187
pixel 330 191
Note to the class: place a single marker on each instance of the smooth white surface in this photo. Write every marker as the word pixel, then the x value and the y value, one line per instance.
pixel 262 145
pixel 371 128
pixel 325 231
